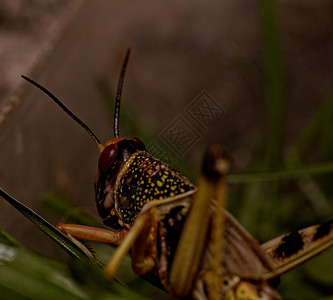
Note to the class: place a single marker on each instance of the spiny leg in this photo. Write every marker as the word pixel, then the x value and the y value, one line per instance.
pixel 79 233
pixel 89 233
pixel 221 166
pixel 125 238
pixel 193 237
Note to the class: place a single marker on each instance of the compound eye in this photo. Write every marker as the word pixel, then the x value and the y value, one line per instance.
pixel 107 157
pixel 139 142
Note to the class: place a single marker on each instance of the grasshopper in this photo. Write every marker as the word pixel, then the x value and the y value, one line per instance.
pixel 180 235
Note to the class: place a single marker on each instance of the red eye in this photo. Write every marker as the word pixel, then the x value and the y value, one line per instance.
pixel 107 157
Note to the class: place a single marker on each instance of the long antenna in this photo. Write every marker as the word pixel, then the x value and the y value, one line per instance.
pixel 67 111
pixel 118 97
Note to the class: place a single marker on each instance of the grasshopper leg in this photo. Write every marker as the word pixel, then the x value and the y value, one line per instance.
pixel 144 229
pixel 141 234
pixel 193 237
pixel 95 234
pixel 87 233
pixel 290 250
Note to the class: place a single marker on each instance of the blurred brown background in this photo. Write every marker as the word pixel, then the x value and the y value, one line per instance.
pixel 179 48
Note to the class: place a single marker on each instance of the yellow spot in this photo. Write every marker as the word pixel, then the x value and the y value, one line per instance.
pixel 159 183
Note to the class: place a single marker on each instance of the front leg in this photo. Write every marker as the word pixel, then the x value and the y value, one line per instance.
pixel 95 234
pixel 79 233
pixel 212 184
pixel 142 239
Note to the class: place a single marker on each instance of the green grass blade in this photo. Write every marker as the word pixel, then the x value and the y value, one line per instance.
pixel 275 175
pixel 274 87
pixel 7 239
pixel 46 227
pixel 28 275
pixel 32 288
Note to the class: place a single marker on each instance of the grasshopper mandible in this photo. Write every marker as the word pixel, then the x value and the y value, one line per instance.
pixel 180 234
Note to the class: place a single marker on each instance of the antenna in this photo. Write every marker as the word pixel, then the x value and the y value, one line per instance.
pixel 118 97
pixel 67 111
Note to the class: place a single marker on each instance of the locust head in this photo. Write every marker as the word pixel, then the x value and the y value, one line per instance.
pixel 112 160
